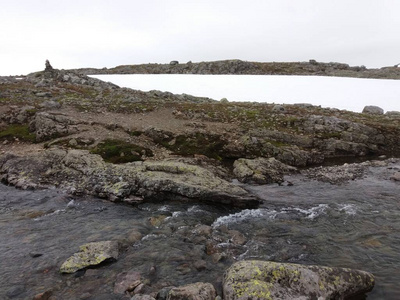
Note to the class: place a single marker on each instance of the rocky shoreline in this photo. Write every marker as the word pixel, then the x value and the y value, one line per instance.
pixel 239 67
pixel 61 129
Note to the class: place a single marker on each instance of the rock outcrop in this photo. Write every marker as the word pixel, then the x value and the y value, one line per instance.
pixel 239 67
pixel 270 280
pixel 83 173
pixel 261 170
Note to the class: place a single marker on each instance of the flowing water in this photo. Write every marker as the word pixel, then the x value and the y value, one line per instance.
pixel 355 225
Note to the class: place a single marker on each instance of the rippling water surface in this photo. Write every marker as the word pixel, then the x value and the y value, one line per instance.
pixel 355 225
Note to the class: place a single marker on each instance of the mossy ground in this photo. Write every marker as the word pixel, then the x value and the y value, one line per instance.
pixel 17 131
pixel 117 151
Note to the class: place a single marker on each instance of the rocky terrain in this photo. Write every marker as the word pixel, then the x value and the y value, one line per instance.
pixel 239 67
pixel 62 129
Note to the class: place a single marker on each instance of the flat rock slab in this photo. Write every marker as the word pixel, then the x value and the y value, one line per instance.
pixel 90 254
pixel 270 280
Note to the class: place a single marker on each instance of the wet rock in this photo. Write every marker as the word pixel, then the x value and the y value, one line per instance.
pixel 142 297
pixel 237 237
pixel 15 291
pixel 395 176
pixel 127 281
pixel 163 293
pixel 194 291
pixel 270 280
pixel 91 254
pixel 200 265
pixel 35 254
pixel 374 110
pixel 134 236
pixel 336 174
pixel 261 170
pixel 43 296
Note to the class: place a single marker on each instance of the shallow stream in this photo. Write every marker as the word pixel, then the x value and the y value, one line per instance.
pixel 354 225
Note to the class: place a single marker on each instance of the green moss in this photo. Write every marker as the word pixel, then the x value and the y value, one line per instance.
pixel 18 131
pixel 117 151
pixel 135 133
pixel 198 143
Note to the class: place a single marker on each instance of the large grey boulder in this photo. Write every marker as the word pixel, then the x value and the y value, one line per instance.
pixel 83 173
pixel 261 170
pixel 374 110
pixel 91 254
pixel 194 291
pixel 49 125
pixel 248 280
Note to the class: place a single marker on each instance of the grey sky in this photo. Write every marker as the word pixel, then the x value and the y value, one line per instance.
pixel 100 33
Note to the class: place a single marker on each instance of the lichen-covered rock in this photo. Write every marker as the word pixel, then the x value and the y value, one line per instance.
pixel 194 291
pixel 48 126
pixel 261 170
pixel 270 280
pixel 91 254
pixel 85 173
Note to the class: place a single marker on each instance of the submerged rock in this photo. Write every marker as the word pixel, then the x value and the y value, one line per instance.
pixel 194 291
pixel 91 254
pixel 270 280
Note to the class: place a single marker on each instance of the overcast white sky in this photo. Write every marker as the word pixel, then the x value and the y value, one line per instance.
pixel 100 33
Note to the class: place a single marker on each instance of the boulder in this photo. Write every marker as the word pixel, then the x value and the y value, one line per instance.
pixel 374 110
pixel 194 291
pixel 279 108
pixel 271 280
pixel 261 170
pixel 91 254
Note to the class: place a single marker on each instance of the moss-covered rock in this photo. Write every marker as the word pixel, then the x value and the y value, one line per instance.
pixel 270 280
pixel 91 254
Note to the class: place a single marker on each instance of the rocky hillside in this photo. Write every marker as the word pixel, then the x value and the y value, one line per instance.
pixel 240 67
pixel 76 129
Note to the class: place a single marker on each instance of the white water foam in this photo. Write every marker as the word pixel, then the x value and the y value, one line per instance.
pixel 243 215
pixel 348 209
